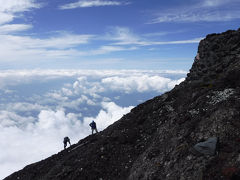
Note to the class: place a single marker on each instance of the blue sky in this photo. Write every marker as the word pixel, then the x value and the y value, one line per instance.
pixel 109 34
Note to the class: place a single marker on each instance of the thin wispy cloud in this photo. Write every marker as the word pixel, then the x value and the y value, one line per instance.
pixel 12 28
pixel 109 49
pixel 192 16
pixel 205 11
pixel 154 43
pixel 216 3
pixel 91 3
pixel 27 37
pixel 124 36
pixel 62 45
pixel 15 6
pixel 58 42
pixel 66 45
pixel 18 47
pixel 11 9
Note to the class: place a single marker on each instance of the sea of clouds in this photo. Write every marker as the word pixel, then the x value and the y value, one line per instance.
pixel 38 108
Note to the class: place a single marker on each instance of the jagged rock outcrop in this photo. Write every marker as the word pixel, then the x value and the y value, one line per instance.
pixel 154 140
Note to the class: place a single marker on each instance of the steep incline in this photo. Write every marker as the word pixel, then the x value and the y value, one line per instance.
pixel 153 141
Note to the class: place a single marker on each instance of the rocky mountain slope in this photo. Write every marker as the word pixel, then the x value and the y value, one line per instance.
pixel 155 139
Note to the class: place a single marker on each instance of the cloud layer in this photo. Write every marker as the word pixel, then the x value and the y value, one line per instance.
pixel 40 107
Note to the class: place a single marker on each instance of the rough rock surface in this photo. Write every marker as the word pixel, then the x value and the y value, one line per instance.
pixel 154 140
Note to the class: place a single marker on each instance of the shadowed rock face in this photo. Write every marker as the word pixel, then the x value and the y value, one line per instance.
pixel 153 141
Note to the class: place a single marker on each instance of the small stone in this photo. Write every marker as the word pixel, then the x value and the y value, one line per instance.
pixel 182 178
pixel 238 159
pixel 189 157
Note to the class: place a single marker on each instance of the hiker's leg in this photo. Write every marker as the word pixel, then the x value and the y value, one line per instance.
pixel 92 130
pixel 96 130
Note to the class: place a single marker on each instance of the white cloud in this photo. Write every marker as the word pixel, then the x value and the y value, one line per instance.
pixel 68 46
pixel 109 49
pixel 5 18
pixel 28 48
pixel 62 46
pixel 215 3
pixel 75 103
pixel 91 3
pixel 14 6
pixel 40 139
pixel 189 41
pixel 206 11
pixel 73 98
pixel 8 28
pixel 141 83
pixel 9 9
pixel 56 96
pixel 16 77
pixel 60 42
pixel 44 137
pixel 18 47
pixel 117 97
pixel 67 92
pixel 110 113
pixel 23 107
pixel 207 16
pixel 41 120
pixel 124 36
pixel 8 119
pixel 82 85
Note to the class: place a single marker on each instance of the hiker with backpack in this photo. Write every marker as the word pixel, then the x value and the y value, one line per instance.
pixel 93 126
pixel 65 141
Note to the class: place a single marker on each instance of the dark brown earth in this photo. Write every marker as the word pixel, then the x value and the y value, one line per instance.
pixel 155 139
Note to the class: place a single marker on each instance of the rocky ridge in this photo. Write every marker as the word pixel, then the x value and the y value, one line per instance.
pixel 154 140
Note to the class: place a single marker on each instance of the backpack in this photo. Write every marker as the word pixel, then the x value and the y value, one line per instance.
pixel 66 139
pixel 93 125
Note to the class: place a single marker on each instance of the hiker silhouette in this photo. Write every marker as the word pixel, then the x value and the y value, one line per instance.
pixel 65 141
pixel 93 126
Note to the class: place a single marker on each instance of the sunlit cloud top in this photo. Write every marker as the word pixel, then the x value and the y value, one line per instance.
pixel 40 107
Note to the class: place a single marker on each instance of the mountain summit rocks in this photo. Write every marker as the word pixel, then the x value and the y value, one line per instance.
pixel 155 139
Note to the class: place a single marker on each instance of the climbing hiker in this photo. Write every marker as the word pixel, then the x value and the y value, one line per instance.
pixel 65 141
pixel 93 126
